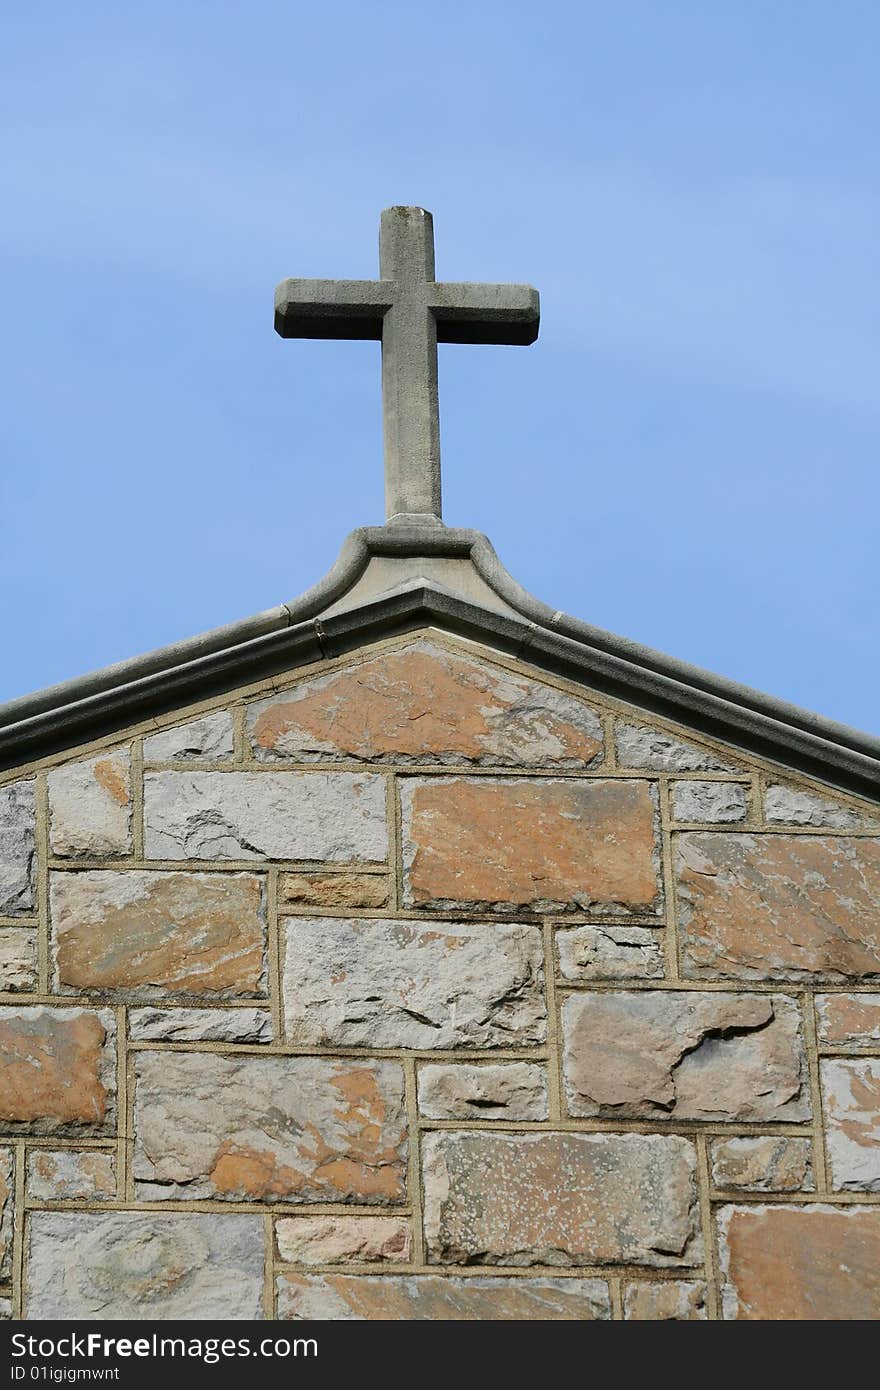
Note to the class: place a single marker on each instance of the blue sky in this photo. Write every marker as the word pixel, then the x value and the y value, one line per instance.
pixel 689 454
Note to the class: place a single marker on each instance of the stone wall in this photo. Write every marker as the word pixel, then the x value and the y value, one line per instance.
pixel 419 985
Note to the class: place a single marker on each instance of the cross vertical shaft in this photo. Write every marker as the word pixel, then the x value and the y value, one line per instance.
pixel 410 398
pixel 409 312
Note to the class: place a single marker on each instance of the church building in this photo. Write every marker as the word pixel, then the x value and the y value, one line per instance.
pixel 413 950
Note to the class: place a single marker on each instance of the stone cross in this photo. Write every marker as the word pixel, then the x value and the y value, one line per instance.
pixel 410 312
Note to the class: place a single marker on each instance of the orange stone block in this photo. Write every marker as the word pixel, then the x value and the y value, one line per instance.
pixel 540 843
pixel 56 1070
pixel 810 1263
pixel 425 704
pixel 778 907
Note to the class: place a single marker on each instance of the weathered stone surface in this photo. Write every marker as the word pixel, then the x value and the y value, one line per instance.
pixel 609 953
pixel 17 802
pixel 805 1263
pixel 273 1129
pixel 208 737
pixel 156 932
pixel 779 907
pixel 547 844
pixel 7 1197
pixel 763 1163
pixel 388 983
pixel 337 816
pixel 560 1199
pixel 673 1300
pixel 684 1054
pixel 430 1297
pixel 709 802
pixel 790 806
pixel 144 1265
pixel 57 1070
pixel 18 958
pixel 200 1025
pixel 326 1240
pixel 470 1091
pixel 90 807
pixel 5 1309
pixel 848 1018
pixel 641 747
pixel 851 1087
pixel 57 1174
pixel 333 890
pixel 424 704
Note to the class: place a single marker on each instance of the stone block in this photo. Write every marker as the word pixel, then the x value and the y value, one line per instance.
pixel 423 704
pixel 391 983
pixel 200 1025
pixel 791 806
pixel 544 844
pixel 800 1264
pixel 332 891
pixel 711 803
pixel 269 1129
pixel 57 1071
pixel 326 1240
pixel 778 907
pixel 90 807
pixel 609 953
pixel 207 738
pixel 560 1199
pixel 672 1300
pixel 762 1163
pixel 17 868
pixel 334 816
pixel 159 932
pixel 685 1055
pixel 432 1298
pixel 851 1089
pixel 7 1209
pixel 639 746
pixel 18 959
pixel 64 1174
pixel 848 1019
pixel 144 1265
pixel 483 1091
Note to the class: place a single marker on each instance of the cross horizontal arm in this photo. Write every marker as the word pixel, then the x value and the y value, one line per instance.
pixel 332 308
pixel 476 313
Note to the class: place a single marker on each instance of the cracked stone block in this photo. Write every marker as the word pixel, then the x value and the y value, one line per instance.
pixel 207 738
pixel 609 953
pixel 805 1263
pixel 337 890
pixel 269 1129
pixel 778 907
pixel 851 1087
pixel 431 1297
pixel 325 1240
pixel 483 1091
pixel 709 802
pixel 390 983
pixel 7 1199
pixel 641 747
pixel 62 1174
pixel 18 959
pixel 120 1265
pixel 791 806
pixel 424 704
pixel 673 1300
pixel 762 1163
pixel 684 1054
pixel 265 815
pixel 200 1025
pixel 57 1071
pixel 158 932
pixel 560 1199
pixel 848 1018
pixel 17 803
pixel 90 807
pixel 545 844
